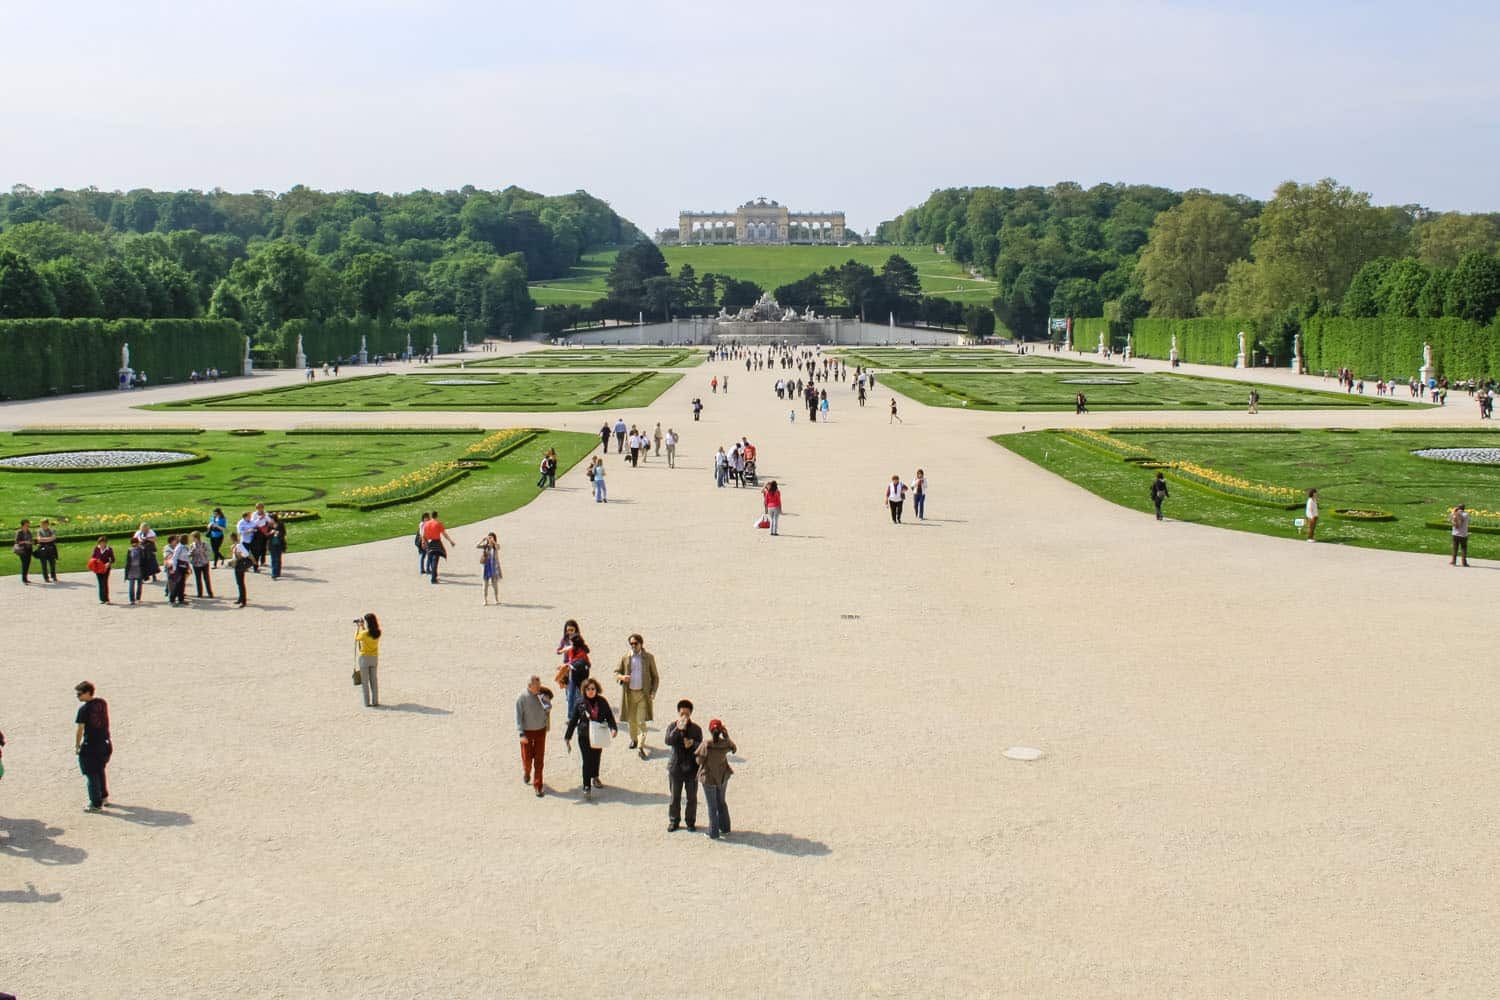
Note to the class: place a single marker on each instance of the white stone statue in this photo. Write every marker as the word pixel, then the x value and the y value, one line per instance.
pixel 1101 345
pixel 248 367
pixel 434 344
pixel 408 344
pixel 1297 353
pixel 301 354
pixel 1240 360
pixel 364 354
pixel 1128 347
pixel 125 357
pixel 1172 355
pixel 1426 355
pixel 1428 372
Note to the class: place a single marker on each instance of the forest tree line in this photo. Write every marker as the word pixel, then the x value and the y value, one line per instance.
pixel 264 258
pixel 1128 251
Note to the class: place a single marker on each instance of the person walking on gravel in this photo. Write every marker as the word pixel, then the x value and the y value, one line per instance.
pixel 895 496
pixel 771 496
pixel 683 736
pixel 1459 519
pixel 533 719
pixel 92 744
pixel 1311 514
pixel 1159 493
pixel 713 773
pixel 638 683
pixel 367 650
pixel 656 437
pixel 604 437
pixel 591 717
pixel 895 417
pixel 671 440
pixel 620 434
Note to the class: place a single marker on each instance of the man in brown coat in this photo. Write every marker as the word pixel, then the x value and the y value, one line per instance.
pixel 638 683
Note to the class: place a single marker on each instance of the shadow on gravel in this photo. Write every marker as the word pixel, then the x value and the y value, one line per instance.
pixel 415 709
pixel 33 840
pixel 29 895
pixel 146 817
pixel 779 843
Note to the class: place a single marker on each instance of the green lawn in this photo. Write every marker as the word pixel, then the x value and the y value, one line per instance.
pixel 1351 469
pixel 286 471
pixel 483 391
pixel 597 357
pixel 960 357
pixel 770 267
pixel 1117 389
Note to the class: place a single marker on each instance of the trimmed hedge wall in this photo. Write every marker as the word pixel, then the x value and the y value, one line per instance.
pixel 1086 332
pixel 47 356
pixel 339 338
pixel 1200 341
pixel 1391 347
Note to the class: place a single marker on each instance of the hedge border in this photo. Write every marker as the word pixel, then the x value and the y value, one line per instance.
pixel 290 517
pixel 441 484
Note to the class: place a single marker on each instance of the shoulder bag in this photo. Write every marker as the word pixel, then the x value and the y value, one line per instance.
pixel 598 734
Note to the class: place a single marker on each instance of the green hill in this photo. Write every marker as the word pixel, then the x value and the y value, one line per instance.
pixel 769 267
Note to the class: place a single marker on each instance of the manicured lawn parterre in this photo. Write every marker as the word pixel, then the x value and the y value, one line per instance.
pixel 1222 479
pixel 1116 389
pixel 597 357
pixel 287 470
pixel 449 389
pixel 922 358
pixel 770 267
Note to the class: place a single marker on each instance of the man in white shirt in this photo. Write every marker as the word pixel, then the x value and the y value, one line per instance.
pixel 1460 522
pixel 895 497
pixel 638 682
pixel 671 440
pixel 261 520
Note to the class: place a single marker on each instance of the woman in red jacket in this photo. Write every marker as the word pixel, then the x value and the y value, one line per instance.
pixel 772 496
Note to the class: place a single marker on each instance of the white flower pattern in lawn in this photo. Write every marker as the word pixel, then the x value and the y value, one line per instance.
pixel 461 381
pixel 1469 456
pixel 100 459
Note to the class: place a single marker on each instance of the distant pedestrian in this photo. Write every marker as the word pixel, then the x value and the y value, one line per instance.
pixel 713 773
pixel 596 476
pixel 638 683
pixel 92 744
pixel 771 497
pixel 895 417
pixel 1459 520
pixel 683 736
pixel 547 471
pixel 576 656
pixel 434 534
pixel 198 558
pixel 367 649
pixel 1312 514
pixel 895 497
pixel 22 547
pixel 595 723
pixel 489 567
pixel 919 495
pixel 243 561
pixel 721 467
pixel 656 438
pixel 1159 493
pixel 620 434
pixel 726 385
pixel 276 543
pixel 135 570
pixel 823 407
pixel 671 440
pixel 713 385
pixel 101 561
pixel 697 408
pixel 533 719
pixel 1254 401
pixel 604 437
pixel 44 547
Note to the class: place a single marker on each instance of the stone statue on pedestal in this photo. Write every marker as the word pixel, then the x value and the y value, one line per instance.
pixel 1240 360
pixel 1297 353
pixel 364 353
pixel 1428 371
pixel 301 354
pixel 1127 347
pixel 434 344
pixel 1172 354
pixel 1101 345
pixel 248 366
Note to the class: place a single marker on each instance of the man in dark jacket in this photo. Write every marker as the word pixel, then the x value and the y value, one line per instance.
pixel 1158 492
pixel 91 743
pixel 683 736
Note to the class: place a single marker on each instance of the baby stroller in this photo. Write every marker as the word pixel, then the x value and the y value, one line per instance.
pixel 750 478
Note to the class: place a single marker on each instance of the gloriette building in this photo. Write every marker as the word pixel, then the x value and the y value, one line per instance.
pixel 760 222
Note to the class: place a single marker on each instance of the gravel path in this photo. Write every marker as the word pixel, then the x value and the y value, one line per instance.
pixel 1264 767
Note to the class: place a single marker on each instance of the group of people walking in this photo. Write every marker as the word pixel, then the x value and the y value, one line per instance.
pixel 692 759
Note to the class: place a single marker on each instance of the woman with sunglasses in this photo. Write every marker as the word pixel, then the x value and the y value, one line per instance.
pixel 591 716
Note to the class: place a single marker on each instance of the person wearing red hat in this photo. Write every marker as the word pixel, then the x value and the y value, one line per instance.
pixel 713 774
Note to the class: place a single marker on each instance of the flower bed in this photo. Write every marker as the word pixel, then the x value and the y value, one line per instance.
pixel 366 429
pixel 1362 514
pixel 87 527
pixel 1110 446
pixel 413 485
pixel 499 444
pixel 1483 522
pixel 1468 456
pixel 1233 487
pixel 98 460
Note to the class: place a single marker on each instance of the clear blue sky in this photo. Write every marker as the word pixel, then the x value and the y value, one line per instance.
pixel 656 105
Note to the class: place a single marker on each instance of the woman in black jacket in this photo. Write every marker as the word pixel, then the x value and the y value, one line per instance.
pixel 591 708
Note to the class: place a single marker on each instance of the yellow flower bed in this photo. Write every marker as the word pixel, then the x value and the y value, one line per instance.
pixel 105 524
pixel 1225 483
pixel 412 482
pixel 1122 448
pixel 494 442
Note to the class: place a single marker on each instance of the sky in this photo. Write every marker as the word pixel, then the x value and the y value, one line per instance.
pixel 657 106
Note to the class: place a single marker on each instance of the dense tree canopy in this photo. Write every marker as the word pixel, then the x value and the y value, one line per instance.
pixel 1125 250
pixel 265 258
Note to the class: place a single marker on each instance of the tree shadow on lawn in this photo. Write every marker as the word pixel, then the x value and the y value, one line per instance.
pixel 29 895
pixel 142 816
pixel 33 840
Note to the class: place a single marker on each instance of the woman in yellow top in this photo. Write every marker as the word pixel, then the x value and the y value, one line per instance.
pixel 367 640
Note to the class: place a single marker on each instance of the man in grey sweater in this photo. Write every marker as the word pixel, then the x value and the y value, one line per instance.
pixel 533 717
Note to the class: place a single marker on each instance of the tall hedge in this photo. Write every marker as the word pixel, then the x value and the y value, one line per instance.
pixel 1200 341
pixel 1391 347
pixel 46 356
pixel 340 338
pixel 1086 330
